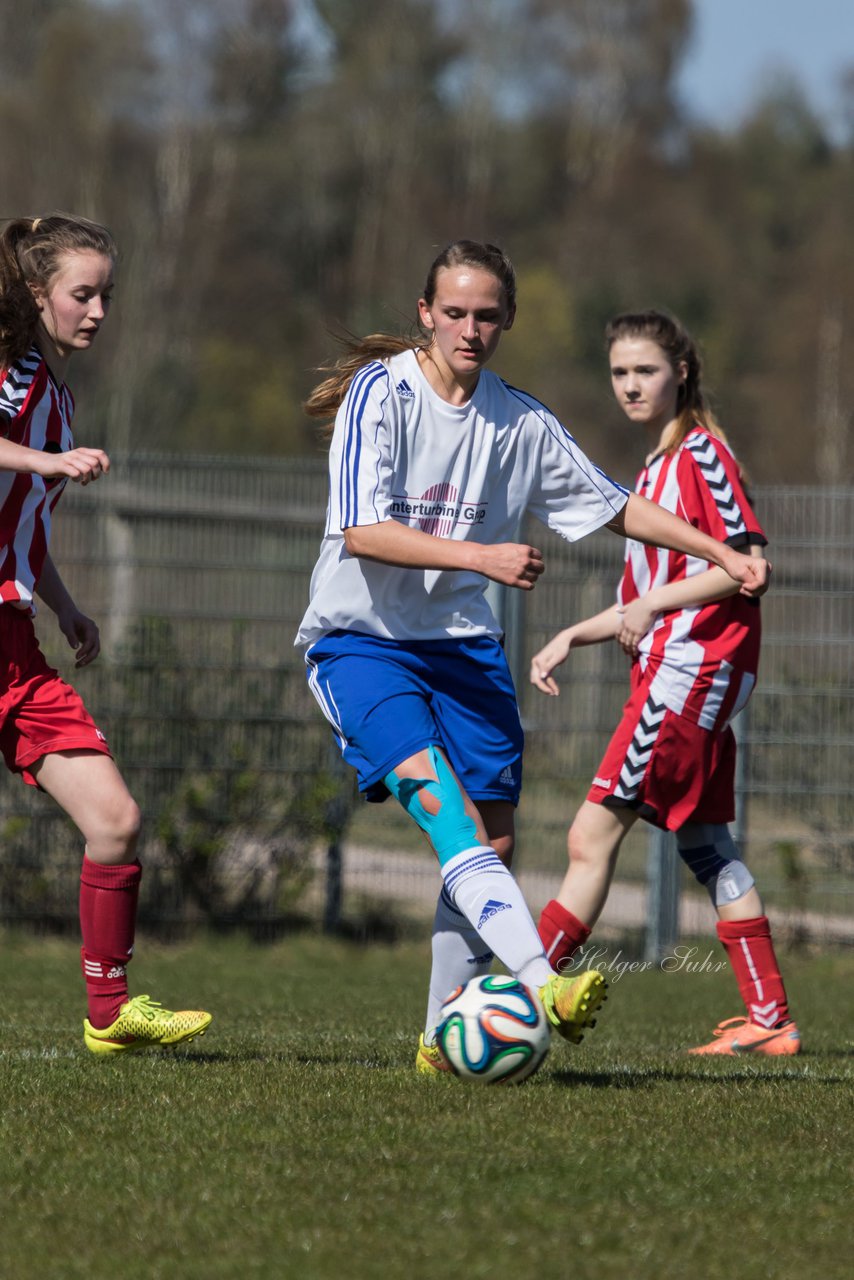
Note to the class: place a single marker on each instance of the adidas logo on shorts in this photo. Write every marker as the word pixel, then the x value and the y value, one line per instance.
pixel 506 776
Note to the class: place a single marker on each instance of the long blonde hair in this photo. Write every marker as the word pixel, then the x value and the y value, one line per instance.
pixel 327 396
pixel 30 249
pixel 680 348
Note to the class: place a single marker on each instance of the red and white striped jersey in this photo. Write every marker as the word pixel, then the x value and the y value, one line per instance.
pixel 37 413
pixel 703 659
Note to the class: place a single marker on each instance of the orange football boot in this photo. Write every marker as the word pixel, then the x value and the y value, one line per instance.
pixel 736 1036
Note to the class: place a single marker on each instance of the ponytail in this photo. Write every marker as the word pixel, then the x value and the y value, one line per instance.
pixel 328 395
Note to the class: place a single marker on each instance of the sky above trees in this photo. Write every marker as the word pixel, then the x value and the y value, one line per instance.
pixel 277 174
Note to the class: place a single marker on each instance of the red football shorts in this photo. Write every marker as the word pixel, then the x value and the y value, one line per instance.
pixel 665 767
pixel 39 712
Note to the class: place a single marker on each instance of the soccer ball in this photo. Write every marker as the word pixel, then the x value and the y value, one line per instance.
pixel 493 1029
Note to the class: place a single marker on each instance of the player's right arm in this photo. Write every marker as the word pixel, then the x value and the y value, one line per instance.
pixel 389 542
pixel 601 626
pixel 80 465
pixel 363 480
pixel 647 522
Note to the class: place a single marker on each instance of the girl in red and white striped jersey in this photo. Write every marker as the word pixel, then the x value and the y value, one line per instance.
pixel 694 642
pixel 56 285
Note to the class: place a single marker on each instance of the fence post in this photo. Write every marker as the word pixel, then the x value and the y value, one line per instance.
pixel 507 604
pixel 337 815
pixel 662 875
pixel 334 887
pixel 740 727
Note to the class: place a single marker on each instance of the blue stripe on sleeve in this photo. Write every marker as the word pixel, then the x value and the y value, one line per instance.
pixel 357 399
pixel 565 439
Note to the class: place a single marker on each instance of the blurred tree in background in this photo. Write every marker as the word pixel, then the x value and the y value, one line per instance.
pixel 277 171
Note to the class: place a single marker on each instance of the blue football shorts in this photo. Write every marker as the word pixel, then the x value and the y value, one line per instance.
pixel 386 700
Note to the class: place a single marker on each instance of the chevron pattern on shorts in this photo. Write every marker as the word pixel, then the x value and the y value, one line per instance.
pixel 708 460
pixel 640 749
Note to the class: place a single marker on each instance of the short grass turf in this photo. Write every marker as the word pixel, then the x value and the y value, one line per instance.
pixel 295 1138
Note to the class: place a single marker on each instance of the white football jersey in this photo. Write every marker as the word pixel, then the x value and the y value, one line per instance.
pixel 401 452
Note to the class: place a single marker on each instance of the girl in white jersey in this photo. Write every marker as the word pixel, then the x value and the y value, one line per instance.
pixel 56 285
pixel 694 642
pixel 433 463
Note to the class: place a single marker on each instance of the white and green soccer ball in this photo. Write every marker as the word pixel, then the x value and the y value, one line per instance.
pixel 494 1030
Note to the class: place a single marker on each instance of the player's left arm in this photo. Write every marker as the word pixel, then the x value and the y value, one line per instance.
pixel 649 523
pixel 80 632
pixel 714 584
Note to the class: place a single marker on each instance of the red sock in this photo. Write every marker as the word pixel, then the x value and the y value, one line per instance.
pixel 108 897
pixel 751 954
pixel 561 934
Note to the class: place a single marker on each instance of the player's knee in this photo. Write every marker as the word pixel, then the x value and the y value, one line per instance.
pixel 581 846
pixel 130 822
pixel 437 805
pixel 504 846
pixel 120 827
pixel 711 854
pixel 430 801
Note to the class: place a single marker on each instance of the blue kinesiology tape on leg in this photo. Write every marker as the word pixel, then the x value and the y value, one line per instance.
pixel 711 854
pixel 477 882
pixel 451 830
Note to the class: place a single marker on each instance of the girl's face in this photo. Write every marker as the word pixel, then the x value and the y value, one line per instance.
pixel 645 383
pixel 467 318
pixel 77 299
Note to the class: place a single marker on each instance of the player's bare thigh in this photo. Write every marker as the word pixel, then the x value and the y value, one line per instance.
pixel 89 787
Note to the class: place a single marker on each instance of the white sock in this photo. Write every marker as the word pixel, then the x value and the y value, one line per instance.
pixel 484 890
pixel 458 955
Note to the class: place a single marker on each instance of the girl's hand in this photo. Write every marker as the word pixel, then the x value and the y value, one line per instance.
pixel 544 662
pixel 512 563
pixel 82 634
pixel 753 572
pixel 635 621
pixel 80 465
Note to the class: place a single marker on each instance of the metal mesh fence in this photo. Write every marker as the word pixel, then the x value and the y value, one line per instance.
pixel 197 570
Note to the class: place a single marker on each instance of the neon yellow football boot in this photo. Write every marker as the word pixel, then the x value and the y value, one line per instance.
pixel 570 1003
pixel 144 1024
pixel 429 1060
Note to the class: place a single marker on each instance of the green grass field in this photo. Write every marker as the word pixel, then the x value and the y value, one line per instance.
pixel 296 1140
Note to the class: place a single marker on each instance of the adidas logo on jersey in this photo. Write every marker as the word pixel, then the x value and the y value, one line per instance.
pixel 491 909
pixel 506 776
pixel 404 390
